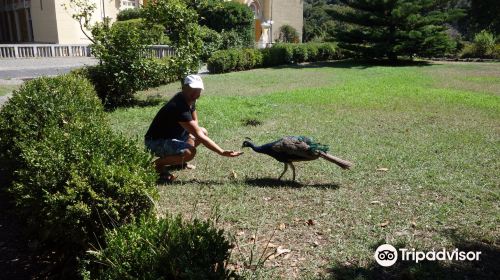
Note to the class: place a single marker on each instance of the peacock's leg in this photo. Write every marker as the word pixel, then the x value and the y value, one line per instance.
pixel 284 171
pixel 293 170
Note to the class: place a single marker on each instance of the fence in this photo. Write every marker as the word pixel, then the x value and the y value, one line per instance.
pixel 49 50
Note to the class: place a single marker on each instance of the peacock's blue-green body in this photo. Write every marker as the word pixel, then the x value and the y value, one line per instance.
pixel 313 146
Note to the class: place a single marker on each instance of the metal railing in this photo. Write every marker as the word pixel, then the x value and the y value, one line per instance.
pixel 53 50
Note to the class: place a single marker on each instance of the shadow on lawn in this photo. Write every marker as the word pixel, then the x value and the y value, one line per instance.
pixel 356 64
pixel 275 183
pixel 199 182
pixel 486 268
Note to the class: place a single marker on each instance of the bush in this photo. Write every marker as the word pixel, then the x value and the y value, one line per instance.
pixel 181 26
pixel 72 177
pixel 123 69
pixel 328 51
pixel 287 51
pixel 129 14
pixel 40 104
pixel 234 19
pixel 231 39
pixel 279 54
pixel 152 33
pixel 312 52
pixel 288 34
pixel 273 56
pixel 234 60
pixel 483 46
pixel 221 62
pixel 163 249
pixel 212 42
pixel 484 43
pixel 300 53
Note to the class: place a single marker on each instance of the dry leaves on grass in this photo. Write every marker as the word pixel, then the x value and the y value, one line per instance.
pixel 384 224
pixel 279 251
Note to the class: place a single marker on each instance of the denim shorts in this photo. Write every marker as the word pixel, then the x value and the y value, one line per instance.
pixel 168 147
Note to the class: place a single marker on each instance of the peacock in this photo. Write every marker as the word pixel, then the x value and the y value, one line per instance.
pixel 296 148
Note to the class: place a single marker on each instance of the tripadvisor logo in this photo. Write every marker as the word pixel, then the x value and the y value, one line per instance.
pixel 386 255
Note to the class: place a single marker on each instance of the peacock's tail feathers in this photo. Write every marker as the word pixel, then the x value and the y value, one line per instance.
pixel 313 146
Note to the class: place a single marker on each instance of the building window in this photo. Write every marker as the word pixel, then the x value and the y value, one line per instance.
pixel 255 7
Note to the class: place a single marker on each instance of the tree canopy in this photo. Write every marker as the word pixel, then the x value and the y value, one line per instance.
pixel 392 28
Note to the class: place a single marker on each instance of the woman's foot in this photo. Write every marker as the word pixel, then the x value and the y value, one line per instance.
pixel 166 178
pixel 181 166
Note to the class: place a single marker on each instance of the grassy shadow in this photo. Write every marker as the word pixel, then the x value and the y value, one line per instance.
pixel 275 183
pixel 355 64
pixel 486 268
pixel 140 103
pixel 198 182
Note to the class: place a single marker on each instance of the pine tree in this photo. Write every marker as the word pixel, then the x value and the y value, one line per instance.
pixel 392 28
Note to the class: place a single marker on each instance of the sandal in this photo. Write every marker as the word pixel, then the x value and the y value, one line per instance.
pixel 166 178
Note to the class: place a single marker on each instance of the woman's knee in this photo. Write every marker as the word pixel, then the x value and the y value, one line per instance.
pixel 204 130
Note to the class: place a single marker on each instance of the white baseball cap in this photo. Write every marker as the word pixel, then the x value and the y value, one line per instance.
pixel 194 81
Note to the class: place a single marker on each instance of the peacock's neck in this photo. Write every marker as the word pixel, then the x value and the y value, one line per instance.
pixel 257 149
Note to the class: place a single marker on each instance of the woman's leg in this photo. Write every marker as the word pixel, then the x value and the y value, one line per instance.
pixel 180 159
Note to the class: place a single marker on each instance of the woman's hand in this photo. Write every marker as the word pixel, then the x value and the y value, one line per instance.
pixel 231 153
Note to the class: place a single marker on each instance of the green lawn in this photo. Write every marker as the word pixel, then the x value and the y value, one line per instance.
pixel 436 128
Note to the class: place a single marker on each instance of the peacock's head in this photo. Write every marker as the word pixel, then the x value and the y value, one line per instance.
pixel 247 143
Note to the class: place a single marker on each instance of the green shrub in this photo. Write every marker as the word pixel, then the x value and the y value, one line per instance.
pixel 234 60
pixel 123 69
pixel 41 104
pixel 153 33
pixel 181 26
pixel 484 43
pixel 328 51
pixel 221 62
pixel 163 249
pixel 312 52
pixel 496 51
pixel 287 50
pixel 212 42
pixel 288 34
pixel 72 176
pixel 484 46
pixel 273 56
pixel 279 54
pixel 232 17
pixel 300 53
pixel 231 39
pixel 129 14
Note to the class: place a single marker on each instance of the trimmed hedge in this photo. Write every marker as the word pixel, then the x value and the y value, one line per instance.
pixel 234 60
pixel 243 59
pixel 70 175
pixel 163 249
pixel 129 14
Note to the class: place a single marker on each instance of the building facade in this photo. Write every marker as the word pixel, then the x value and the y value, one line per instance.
pixel 51 22
pixel 270 15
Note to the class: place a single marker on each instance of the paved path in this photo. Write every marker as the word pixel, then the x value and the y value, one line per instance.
pixel 27 68
pixel 16 71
